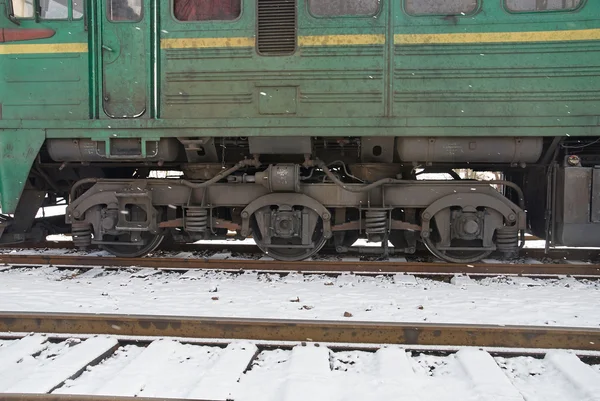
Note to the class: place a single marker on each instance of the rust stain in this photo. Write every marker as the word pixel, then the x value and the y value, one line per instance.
pixel 301 330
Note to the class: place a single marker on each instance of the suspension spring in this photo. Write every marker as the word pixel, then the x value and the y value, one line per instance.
pixel 196 219
pixel 376 222
pixel 81 232
pixel 507 240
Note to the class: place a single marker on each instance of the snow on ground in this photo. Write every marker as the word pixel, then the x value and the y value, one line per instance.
pixel 502 300
pixel 240 371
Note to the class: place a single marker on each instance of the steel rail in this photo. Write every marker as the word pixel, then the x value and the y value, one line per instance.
pixel 77 397
pixel 327 266
pixel 587 339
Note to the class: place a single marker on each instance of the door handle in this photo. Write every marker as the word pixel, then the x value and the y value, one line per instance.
pixel 109 49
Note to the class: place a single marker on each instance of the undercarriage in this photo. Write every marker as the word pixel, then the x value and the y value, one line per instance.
pixel 294 196
pixel 292 219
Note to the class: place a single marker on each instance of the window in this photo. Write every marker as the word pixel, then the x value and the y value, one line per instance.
pixel 77 9
pixel 124 10
pixel 542 5
pixel 22 8
pixel 439 7
pixel 49 9
pixel 207 10
pixel 334 8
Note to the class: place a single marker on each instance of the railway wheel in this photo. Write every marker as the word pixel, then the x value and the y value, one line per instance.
pixel 459 235
pixel 149 242
pixel 287 226
pixel 291 253
pixel 462 228
pixel 456 256
pixel 283 245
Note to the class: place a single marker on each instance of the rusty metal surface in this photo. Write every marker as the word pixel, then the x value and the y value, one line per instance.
pixel 75 397
pixel 375 267
pixel 305 330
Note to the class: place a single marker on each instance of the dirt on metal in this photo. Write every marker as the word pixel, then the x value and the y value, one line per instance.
pixel 305 330
pixel 315 266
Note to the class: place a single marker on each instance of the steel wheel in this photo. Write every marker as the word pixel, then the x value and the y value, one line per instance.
pixel 456 256
pixel 151 242
pixel 290 254
pixel 293 253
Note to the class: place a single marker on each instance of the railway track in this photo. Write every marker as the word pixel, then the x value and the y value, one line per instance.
pixel 87 357
pixel 251 251
pixel 491 268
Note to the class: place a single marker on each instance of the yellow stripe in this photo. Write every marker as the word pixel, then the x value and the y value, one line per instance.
pixel 197 43
pixel 322 40
pixel 498 37
pixel 332 40
pixel 44 48
pixel 340 40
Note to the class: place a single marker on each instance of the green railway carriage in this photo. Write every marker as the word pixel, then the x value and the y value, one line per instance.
pixel 303 123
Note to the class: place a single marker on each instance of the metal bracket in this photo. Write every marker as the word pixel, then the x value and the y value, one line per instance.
pixel 142 200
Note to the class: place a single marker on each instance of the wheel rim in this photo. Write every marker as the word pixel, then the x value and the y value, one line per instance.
pixel 152 241
pixel 456 256
pixel 290 254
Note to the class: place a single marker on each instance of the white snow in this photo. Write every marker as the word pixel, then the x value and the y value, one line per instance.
pixel 166 368
pixel 501 300
pixel 218 381
pixel 14 351
pixel 486 376
pixel 46 377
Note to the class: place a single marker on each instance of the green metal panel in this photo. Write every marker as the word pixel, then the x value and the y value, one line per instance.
pixel 236 82
pixel 517 89
pixel 532 83
pixel 18 150
pixel 46 85
pixel 125 58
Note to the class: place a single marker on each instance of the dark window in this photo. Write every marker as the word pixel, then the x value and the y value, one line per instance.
pixel 124 10
pixel 207 10
pixel 439 7
pixel 542 5
pixel 331 8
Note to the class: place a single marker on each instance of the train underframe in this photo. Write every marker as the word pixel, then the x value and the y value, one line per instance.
pixel 294 196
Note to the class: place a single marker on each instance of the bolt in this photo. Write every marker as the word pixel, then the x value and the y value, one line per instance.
pixel 76 213
pixel 573 160
pixel 425 234
pixel 245 215
pixel 471 227
pixel 426 216
pixel 326 216
pixel 512 217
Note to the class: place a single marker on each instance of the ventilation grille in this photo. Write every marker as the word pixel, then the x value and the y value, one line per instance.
pixel 276 27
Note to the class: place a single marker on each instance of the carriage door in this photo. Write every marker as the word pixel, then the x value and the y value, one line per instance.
pixel 125 58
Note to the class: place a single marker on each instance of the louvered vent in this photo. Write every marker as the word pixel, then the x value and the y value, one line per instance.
pixel 276 27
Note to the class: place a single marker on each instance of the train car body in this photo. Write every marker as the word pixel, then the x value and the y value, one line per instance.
pixel 301 122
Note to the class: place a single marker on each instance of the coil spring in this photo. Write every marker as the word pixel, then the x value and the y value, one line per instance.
pixel 196 219
pixel 81 232
pixel 507 240
pixel 376 222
